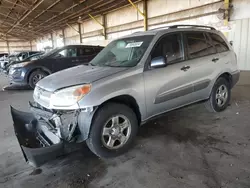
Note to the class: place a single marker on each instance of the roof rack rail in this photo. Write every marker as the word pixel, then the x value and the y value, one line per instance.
pixel 164 27
pixel 198 26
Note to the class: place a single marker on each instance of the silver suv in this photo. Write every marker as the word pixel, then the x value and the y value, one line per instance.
pixel 133 79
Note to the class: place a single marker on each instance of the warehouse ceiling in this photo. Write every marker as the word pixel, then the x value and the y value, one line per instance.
pixel 31 19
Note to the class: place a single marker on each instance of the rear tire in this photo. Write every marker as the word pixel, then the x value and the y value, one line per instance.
pixel 220 96
pixel 108 136
pixel 35 77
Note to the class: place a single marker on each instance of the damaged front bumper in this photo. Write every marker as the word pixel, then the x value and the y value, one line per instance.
pixel 43 133
pixel 37 142
pixel 38 138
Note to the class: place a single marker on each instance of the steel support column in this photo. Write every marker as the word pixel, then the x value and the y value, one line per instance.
pixel 8 45
pixel 63 35
pixel 73 28
pixel 226 16
pixel 30 45
pixel 104 25
pixel 52 40
pixel 101 24
pixel 144 13
pixel 80 32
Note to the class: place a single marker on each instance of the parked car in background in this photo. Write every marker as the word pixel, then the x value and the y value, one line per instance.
pixel 134 79
pixel 17 57
pixel 3 59
pixel 29 73
pixel 28 59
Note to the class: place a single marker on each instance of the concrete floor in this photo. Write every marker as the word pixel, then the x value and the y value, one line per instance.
pixel 186 148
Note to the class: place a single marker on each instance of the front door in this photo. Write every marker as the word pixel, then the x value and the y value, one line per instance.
pixel 65 58
pixel 168 87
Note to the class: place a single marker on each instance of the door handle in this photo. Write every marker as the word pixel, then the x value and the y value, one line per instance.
pixel 215 59
pixel 185 68
pixel 75 61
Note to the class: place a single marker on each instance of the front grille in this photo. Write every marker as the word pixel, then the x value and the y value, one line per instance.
pixel 42 97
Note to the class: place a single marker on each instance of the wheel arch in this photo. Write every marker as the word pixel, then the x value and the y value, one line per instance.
pixel 127 100
pixel 85 118
pixel 225 75
pixel 44 69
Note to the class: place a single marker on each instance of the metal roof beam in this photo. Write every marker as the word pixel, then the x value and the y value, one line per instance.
pixel 49 7
pixel 12 8
pixel 14 3
pixel 37 10
pixel 78 13
pixel 13 35
pixel 53 17
pixel 28 31
pixel 100 12
pixel 36 4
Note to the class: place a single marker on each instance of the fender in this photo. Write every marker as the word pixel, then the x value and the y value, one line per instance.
pixel 36 68
pixel 219 75
pixel 84 124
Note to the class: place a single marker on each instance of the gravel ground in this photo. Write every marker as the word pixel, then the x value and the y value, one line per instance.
pixel 186 148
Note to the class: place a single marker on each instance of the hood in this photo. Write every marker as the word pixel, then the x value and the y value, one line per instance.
pixel 76 76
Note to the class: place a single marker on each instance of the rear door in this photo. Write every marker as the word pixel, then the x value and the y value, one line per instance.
pixel 225 55
pixel 85 54
pixel 65 58
pixel 201 55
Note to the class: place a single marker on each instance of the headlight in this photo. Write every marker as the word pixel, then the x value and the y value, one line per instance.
pixel 69 96
pixel 19 65
pixel 12 70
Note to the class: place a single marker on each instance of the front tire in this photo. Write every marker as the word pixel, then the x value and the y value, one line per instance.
pixel 220 96
pixel 113 130
pixel 35 77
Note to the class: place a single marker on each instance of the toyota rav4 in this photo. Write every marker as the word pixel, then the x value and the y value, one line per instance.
pixel 132 80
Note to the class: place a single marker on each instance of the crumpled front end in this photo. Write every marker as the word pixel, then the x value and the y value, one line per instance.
pixel 38 133
pixel 43 133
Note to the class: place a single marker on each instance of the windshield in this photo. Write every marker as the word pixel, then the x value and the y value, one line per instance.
pixel 126 52
pixel 33 57
pixel 49 53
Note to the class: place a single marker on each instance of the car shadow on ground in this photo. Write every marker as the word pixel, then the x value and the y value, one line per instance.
pixel 15 87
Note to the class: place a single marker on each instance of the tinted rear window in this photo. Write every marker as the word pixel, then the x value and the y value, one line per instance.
pixel 86 51
pixel 198 45
pixel 219 43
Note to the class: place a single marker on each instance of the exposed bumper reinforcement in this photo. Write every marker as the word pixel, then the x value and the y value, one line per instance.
pixel 38 144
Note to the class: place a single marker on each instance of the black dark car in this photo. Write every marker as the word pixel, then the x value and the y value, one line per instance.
pixel 29 73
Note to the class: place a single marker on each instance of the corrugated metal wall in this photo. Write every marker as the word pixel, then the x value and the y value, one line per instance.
pixel 240 35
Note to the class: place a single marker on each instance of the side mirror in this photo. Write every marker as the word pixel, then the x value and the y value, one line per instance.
pixel 158 62
pixel 231 43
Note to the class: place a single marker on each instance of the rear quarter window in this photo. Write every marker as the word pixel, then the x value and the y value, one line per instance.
pixel 219 43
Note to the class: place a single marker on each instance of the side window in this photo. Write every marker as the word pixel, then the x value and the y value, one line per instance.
pixel 219 43
pixel 198 45
pixel 98 49
pixel 86 51
pixel 68 52
pixel 170 47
